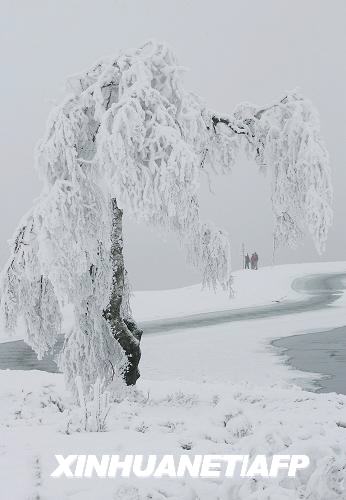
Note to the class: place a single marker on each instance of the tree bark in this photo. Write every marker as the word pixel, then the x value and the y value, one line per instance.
pixel 123 329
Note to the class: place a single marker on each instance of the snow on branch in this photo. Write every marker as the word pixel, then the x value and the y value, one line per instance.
pixel 285 140
pixel 26 293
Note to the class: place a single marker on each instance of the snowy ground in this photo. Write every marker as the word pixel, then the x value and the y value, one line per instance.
pixel 252 288
pixel 217 390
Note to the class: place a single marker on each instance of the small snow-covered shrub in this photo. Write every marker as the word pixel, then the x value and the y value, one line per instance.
pixel 239 426
pixel 179 398
pixel 91 415
pixel 174 490
pixel 127 493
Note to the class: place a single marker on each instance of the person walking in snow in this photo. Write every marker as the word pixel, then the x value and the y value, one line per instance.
pixel 247 261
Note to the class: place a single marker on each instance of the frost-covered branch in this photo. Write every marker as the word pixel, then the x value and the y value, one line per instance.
pixel 284 139
pixel 26 293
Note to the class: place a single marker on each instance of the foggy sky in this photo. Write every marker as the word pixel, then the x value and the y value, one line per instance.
pixel 235 51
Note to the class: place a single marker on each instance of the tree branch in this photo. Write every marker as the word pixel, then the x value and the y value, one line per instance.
pixel 226 121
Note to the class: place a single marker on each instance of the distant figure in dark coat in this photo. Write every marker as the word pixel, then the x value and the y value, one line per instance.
pixel 247 261
pixel 255 261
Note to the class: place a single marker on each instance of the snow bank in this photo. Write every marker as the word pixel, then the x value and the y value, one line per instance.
pixel 175 418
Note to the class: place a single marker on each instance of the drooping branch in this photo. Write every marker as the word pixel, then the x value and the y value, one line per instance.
pixel 285 139
pixel 236 129
pixel 25 292
pixel 245 120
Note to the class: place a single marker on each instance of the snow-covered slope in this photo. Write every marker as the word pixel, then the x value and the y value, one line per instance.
pixel 210 390
pixel 252 288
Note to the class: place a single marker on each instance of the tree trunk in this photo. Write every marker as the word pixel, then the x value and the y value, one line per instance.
pixel 123 329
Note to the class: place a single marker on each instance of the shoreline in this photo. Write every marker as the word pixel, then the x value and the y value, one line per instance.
pixel 326 363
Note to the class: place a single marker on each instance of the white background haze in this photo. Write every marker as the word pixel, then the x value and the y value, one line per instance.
pixel 235 51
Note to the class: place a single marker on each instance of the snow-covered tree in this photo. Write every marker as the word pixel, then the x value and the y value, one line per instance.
pixel 129 136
